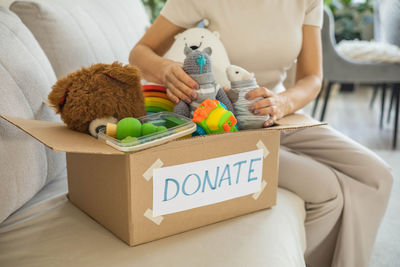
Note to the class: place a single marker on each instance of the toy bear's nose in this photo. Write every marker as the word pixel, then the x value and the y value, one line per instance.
pixel 194 47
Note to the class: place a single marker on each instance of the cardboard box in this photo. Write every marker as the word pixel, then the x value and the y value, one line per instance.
pixel 116 189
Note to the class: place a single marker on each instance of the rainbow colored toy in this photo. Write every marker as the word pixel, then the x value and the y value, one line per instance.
pixel 213 117
pixel 156 99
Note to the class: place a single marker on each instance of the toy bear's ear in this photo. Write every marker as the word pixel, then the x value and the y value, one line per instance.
pixel 187 50
pixel 208 51
pixel 177 36
pixel 216 34
pixel 128 74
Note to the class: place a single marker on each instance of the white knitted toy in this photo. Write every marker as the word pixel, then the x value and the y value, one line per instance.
pixel 243 82
pixel 200 38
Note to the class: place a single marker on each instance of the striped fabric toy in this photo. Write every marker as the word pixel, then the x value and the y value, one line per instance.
pixel 156 99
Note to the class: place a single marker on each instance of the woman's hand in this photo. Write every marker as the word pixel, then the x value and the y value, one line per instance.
pixel 179 84
pixel 272 104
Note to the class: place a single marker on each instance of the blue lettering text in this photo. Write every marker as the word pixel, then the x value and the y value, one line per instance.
pixel 166 188
pixel 251 170
pixel 226 170
pixel 184 183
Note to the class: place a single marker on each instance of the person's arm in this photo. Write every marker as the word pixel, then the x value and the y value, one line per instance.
pixel 307 86
pixel 147 55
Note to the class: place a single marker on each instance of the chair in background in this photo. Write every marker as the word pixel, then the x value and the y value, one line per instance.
pixel 339 69
pixel 386 30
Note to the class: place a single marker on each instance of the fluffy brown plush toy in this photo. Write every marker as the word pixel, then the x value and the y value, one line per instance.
pixel 89 98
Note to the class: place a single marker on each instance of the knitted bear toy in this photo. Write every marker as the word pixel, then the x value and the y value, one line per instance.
pixel 243 82
pixel 198 65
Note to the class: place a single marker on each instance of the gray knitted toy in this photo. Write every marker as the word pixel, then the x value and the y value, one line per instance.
pixel 243 82
pixel 198 65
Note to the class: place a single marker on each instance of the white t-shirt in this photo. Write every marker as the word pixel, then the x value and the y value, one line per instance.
pixel 262 36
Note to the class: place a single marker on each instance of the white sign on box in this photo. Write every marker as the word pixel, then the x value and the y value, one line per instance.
pixel 200 183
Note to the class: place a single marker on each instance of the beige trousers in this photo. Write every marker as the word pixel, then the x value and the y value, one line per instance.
pixel 345 187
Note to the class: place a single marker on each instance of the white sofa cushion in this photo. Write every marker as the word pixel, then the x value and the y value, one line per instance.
pixel 26 77
pixel 272 237
pixel 78 33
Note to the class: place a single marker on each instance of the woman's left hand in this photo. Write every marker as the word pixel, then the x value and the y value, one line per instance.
pixel 272 104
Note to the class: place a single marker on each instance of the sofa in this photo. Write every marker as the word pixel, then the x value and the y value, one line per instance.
pixel 42 40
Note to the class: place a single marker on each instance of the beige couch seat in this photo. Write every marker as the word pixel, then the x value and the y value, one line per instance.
pixel 50 231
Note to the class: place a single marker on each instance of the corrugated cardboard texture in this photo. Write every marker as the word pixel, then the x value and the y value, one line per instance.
pixel 59 138
pixel 100 186
pixel 196 149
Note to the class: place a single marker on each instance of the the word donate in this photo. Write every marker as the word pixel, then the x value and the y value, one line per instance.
pixel 191 185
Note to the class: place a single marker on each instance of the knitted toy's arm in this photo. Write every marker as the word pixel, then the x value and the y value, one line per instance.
pixel 182 109
pixel 224 99
pixel 233 95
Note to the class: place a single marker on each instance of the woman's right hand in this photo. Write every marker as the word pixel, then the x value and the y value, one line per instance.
pixel 179 84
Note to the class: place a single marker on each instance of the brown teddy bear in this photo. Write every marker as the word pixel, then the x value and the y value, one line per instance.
pixel 89 98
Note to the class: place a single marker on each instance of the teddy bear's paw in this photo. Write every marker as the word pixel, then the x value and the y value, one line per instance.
pixel 100 123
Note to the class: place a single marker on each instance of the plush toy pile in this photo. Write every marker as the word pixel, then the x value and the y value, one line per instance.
pixel 156 99
pixel 198 42
pixel 92 97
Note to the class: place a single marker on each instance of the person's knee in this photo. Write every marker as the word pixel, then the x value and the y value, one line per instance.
pixel 378 178
pixel 385 178
pixel 381 173
pixel 326 188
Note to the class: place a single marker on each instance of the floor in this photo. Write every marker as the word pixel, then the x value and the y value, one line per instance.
pixel 350 113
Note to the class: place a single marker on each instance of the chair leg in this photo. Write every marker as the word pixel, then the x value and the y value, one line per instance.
pixel 326 99
pixel 383 97
pixel 315 106
pixel 374 93
pixel 392 96
pixel 396 87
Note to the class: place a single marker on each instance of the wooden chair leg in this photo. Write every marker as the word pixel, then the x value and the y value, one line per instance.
pixel 373 97
pixel 392 98
pixel 326 99
pixel 383 97
pixel 396 87
pixel 315 106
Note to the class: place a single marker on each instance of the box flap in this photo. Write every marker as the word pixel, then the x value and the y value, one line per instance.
pixel 59 138
pixel 296 121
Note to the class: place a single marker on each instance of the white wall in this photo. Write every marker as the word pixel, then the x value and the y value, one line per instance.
pixel 6 3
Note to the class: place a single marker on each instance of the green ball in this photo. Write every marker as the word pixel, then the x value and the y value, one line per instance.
pixel 148 128
pixel 161 128
pixel 128 127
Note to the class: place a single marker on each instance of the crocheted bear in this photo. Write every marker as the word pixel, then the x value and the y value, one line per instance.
pixel 198 65
pixel 243 82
